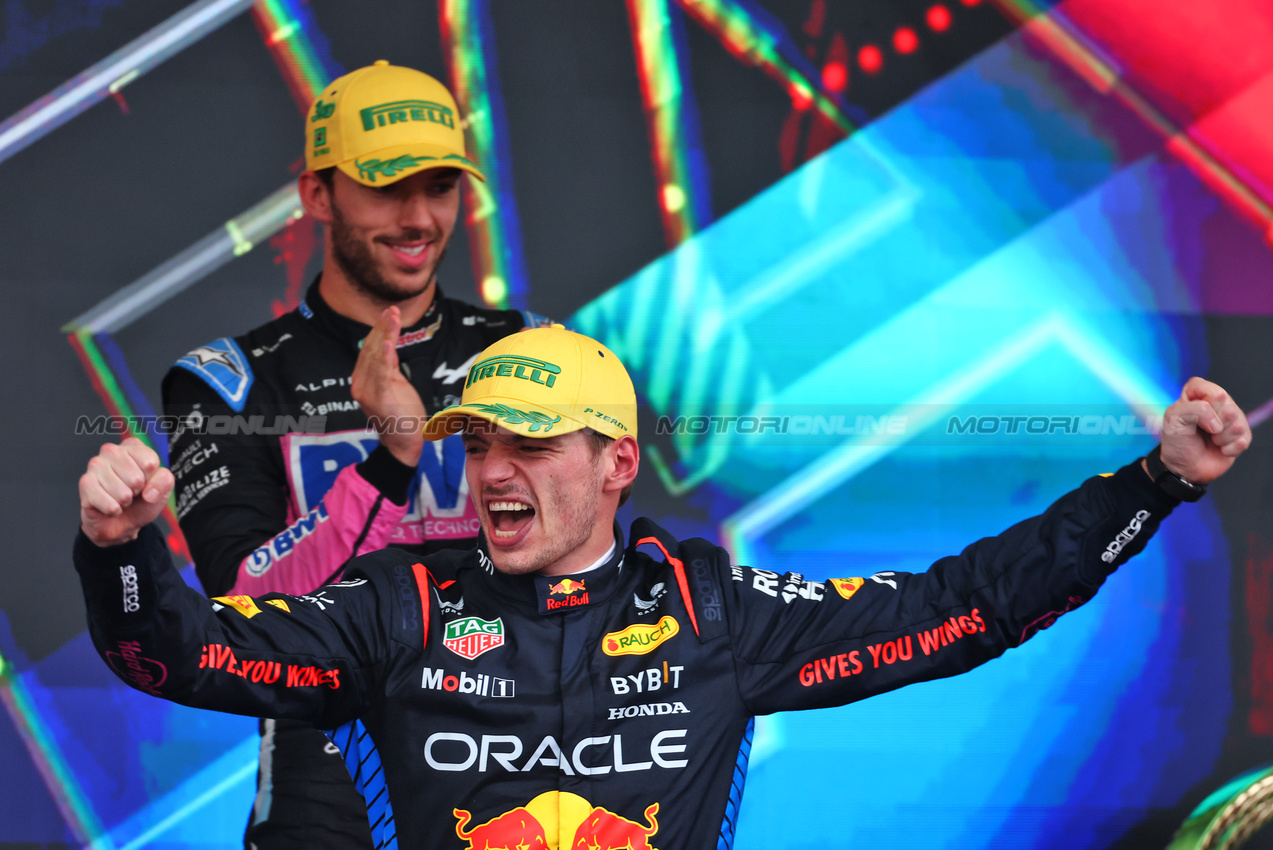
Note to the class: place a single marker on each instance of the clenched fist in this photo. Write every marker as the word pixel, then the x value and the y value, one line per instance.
pixel 124 488
pixel 1203 432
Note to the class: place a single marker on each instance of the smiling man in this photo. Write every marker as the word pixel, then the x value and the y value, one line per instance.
pixel 301 446
pixel 567 688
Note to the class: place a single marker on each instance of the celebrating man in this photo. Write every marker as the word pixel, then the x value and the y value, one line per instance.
pixel 567 688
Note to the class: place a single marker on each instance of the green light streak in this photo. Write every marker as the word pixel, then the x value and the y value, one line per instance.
pixel 748 40
pixel 658 67
pixel 462 41
pixel 292 48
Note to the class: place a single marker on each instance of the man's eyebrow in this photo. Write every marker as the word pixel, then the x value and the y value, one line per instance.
pixel 522 440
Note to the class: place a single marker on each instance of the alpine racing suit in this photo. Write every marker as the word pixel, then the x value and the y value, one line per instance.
pixel 280 481
pixel 612 707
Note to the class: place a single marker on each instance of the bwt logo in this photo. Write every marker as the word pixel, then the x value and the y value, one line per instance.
pixel 260 561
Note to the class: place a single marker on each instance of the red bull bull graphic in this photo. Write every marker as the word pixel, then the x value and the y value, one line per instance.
pixel 574 592
pixel 558 820
pixel 515 830
pixel 566 587
pixel 604 829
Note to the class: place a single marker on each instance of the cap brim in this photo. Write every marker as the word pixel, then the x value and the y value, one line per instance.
pixel 391 164
pixel 514 414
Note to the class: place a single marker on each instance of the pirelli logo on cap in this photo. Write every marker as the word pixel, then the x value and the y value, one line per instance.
pixel 403 111
pixel 514 366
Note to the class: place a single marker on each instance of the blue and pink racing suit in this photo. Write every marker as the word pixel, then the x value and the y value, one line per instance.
pixel 281 480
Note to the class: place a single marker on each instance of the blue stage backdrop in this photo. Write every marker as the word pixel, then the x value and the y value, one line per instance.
pixel 932 307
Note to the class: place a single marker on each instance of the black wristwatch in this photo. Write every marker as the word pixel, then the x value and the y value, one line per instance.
pixel 1174 485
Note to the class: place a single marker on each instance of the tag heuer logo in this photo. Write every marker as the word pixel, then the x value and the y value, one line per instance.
pixel 471 636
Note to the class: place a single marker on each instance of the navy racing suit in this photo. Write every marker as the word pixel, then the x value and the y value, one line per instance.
pixel 612 706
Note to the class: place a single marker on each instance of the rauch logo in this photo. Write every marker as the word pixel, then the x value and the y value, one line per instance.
pixel 640 638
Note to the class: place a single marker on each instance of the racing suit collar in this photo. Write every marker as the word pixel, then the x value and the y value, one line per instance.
pixel 560 594
pixel 352 333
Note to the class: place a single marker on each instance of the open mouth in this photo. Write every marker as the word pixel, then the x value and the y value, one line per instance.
pixel 509 518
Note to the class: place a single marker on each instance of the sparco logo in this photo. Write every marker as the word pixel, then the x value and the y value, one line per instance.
pixel 1127 535
pixel 128 576
pixel 406 589
pixel 480 684
pixel 707 595
pixel 590 757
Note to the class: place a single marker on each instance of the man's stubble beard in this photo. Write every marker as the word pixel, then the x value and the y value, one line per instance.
pixel 355 260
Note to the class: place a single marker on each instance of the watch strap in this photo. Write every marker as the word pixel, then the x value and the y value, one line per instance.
pixel 1174 485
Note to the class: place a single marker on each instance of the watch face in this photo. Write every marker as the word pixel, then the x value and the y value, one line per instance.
pixel 1181 488
pixel 1172 484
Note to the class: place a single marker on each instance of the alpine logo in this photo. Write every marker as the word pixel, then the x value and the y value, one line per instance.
pixel 472 636
pixel 451 376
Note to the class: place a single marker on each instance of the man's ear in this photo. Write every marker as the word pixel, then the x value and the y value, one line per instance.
pixel 316 196
pixel 625 457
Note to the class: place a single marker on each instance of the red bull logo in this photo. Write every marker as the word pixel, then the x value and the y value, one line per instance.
pixel 559 820
pixel 565 587
pixel 515 830
pixel 574 591
pixel 604 829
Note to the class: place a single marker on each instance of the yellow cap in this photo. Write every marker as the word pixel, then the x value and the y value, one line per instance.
pixel 541 383
pixel 382 123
